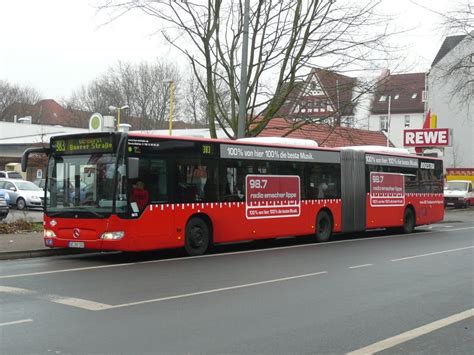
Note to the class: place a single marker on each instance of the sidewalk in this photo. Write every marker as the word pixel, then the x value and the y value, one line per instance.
pixel 27 245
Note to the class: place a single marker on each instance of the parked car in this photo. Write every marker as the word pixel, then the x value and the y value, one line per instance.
pixel 4 209
pixel 23 193
pixel 11 175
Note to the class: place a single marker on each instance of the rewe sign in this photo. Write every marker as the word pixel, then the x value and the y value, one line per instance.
pixel 437 137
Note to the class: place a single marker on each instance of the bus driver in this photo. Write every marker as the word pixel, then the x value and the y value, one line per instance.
pixel 140 195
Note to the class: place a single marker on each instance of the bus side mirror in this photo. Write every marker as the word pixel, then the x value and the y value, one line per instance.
pixel 133 164
pixel 26 154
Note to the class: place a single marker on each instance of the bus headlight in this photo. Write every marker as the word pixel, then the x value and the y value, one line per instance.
pixel 112 235
pixel 48 233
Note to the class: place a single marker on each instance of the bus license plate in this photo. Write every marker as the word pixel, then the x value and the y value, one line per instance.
pixel 76 244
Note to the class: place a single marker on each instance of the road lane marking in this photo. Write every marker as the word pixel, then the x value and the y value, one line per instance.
pixel 414 333
pixel 16 290
pixel 216 290
pixel 16 322
pixel 65 270
pixel 96 306
pixel 359 266
pixel 68 301
pixel 435 253
pixel 40 273
pixel 76 302
pixel 457 229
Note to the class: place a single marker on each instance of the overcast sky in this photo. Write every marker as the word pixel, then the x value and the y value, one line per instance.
pixel 56 46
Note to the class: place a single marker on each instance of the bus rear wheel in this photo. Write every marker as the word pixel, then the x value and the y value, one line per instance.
pixel 198 238
pixel 408 221
pixel 323 227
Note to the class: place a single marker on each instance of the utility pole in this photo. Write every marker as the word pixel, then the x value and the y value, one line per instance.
pixel 243 75
pixel 389 119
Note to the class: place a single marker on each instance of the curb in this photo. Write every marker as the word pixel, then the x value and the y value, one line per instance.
pixel 23 254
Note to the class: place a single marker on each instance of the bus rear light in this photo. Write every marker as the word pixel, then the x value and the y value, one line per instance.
pixel 48 233
pixel 112 235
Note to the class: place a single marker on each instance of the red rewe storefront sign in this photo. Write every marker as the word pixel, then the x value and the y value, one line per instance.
pixel 437 137
pixel 387 189
pixel 272 196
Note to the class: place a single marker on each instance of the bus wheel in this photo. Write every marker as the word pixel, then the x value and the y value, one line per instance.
pixel 408 221
pixel 323 227
pixel 198 239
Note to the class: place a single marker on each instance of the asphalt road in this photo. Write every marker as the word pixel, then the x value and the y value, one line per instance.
pixel 379 292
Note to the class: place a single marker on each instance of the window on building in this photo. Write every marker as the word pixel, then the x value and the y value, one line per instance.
pixel 383 123
pixel 349 121
pixel 303 107
pixel 396 97
pixel 383 98
pixel 414 96
pixel 407 121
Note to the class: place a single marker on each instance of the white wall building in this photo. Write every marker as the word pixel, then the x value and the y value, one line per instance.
pixel 395 126
pixel 449 103
pixel 397 104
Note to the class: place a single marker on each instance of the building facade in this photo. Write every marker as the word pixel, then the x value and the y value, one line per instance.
pixel 323 97
pixel 398 104
pixel 451 97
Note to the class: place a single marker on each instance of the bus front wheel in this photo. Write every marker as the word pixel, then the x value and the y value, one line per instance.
pixel 323 227
pixel 198 238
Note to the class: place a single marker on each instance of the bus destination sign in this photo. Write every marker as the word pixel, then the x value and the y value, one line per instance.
pixel 83 145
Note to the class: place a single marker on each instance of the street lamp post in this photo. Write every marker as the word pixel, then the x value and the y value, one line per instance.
pixel 389 118
pixel 171 88
pixel 118 110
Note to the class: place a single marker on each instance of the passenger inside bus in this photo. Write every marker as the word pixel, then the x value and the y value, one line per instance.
pixel 140 195
pixel 322 190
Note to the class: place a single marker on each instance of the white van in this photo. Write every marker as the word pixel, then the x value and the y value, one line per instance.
pixel 458 193
pixel 11 175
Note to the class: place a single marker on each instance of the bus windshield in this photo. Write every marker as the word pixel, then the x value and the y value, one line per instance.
pixel 85 184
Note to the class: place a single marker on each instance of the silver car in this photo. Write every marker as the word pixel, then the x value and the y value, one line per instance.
pixel 23 193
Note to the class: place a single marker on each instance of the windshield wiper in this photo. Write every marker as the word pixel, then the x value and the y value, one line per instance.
pixel 77 210
pixel 86 210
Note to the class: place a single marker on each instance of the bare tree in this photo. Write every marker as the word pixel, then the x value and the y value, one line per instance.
pixel 11 94
pixel 459 25
pixel 143 87
pixel 285 36
pixel 456 156
pixel 195 102
pixel 460 70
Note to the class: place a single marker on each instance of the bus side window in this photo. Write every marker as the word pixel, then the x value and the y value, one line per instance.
pixel 232 181
pixel 190 181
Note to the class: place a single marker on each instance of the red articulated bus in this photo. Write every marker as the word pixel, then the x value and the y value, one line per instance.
pixel 137 192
